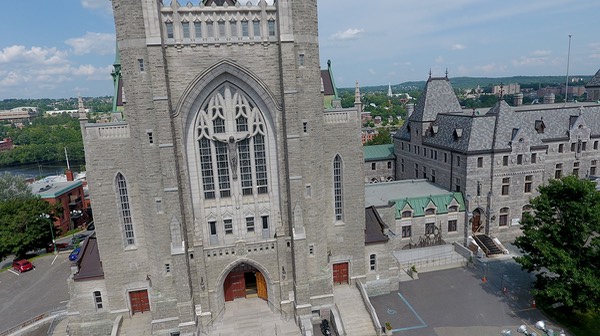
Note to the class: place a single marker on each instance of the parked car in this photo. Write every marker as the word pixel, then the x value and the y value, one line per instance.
pixel 59 247
pixel 22 265
pixel 75 254
pixel 91 227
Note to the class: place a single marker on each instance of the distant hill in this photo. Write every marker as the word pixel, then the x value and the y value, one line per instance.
pixel 472 82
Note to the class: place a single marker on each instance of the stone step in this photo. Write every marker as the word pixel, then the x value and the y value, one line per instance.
pixel 355 318
pixel 486 241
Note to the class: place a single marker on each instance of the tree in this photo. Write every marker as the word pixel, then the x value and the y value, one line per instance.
pixel 12 186
pixel 24 226
pixel 382 137
pixel 561 243
pixel 25 219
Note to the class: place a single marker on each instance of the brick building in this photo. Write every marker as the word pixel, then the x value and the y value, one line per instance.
pixel 6 144
pixel 71 196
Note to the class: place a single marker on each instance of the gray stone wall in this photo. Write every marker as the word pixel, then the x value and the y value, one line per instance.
pixel 381 173
pixel 155 151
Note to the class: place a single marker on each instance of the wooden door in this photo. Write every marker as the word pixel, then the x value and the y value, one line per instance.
pixel 139 301
pixel 340 273
pixel 234 286
pixel 261 286
pixel 476 221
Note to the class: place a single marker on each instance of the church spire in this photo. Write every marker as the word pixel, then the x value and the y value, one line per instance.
pixel 357 102
pixel 390 90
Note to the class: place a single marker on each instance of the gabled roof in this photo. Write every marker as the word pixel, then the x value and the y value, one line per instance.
pixel 420 204
pixel 379 152
pixel 327 83
pixel 374 227
pixel 438 97
pixel 595 81
pixel 89 263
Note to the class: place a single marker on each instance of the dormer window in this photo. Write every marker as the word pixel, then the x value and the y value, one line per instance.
pixel 406 214
pixel 540 126
pixel 453 208
pixel 457 133
pixel 433 130
pixel 430 211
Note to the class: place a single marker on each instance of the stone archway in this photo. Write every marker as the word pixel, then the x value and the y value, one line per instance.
pixel 245 281
pixel 476 222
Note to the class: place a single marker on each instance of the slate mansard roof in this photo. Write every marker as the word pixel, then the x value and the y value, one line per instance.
pixel 438 97
pixel 595 81
pixel 470 131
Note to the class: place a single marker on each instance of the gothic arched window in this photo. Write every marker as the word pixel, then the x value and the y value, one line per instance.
pixel 124 209
pixel 231 135
pixel 337 188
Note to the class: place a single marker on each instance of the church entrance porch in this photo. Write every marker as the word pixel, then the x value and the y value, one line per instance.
pixel 245 281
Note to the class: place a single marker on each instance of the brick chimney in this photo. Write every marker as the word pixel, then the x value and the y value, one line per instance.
pixel 69 174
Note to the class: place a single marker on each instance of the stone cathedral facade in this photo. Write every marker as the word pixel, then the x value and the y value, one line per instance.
pixel 226 179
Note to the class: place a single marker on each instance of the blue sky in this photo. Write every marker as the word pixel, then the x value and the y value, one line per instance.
pixel 64 48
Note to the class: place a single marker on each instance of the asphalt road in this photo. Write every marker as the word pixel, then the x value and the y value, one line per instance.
pixel 458 302
pixel 26 295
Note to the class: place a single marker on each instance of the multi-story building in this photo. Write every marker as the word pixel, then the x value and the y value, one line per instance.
pixel 506 89
pixel 380 163
pixel 70 194
pixel 226 176
pixel 496 158
pixel 6 144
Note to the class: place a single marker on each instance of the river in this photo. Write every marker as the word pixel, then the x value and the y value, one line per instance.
pixel 43 169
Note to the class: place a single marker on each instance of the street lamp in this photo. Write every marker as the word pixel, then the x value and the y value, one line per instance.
pixel 47 216
pixel 541 325
pixel 523 330
pixel 75 215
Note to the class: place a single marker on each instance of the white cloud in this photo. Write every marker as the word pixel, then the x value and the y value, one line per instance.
pixel 372 71
pixel 594 50
pixel 98 43
pixel 21 54
pixel 103 5
pixel 35 71
pixel 478 70
pixel 457 46
pixel 439 59
pixel 348 34
pixel 541 52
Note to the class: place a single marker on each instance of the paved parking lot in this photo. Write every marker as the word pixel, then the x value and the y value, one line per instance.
pixel 44 289
pixel 457 302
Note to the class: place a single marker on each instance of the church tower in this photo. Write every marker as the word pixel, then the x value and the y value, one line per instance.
pixel 226 176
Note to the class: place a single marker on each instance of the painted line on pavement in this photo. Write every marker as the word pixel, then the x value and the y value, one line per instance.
pixel 423 324
pixel 13 272
pixel 53 260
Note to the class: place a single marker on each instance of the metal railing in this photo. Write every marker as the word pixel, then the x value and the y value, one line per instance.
pixel 34 320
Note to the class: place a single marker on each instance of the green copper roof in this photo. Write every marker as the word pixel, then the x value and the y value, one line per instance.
pixel 378 152
pixel 419 204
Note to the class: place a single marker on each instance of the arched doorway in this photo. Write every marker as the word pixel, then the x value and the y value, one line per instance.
pixel 476 221
pixel 245 281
